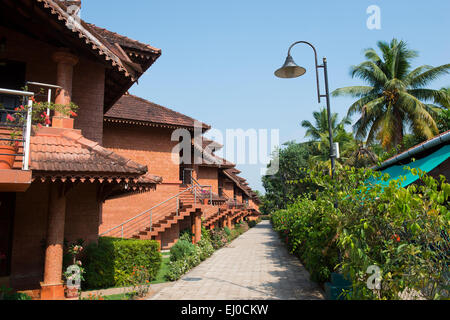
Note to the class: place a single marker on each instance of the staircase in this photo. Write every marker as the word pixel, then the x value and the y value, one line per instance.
pixel 155 221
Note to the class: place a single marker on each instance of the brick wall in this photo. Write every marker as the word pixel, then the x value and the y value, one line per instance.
pixel 30 228
pixel 149 146
pixel 228 188
pixel 88 79
pixel 209 177
pixel 88 90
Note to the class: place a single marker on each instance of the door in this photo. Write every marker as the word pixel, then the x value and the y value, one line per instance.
pixel 12 76
pixel 7 206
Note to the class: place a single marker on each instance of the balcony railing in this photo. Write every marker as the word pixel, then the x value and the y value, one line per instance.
pixel 22 128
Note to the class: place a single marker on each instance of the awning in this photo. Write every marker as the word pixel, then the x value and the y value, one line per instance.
pixel 426 164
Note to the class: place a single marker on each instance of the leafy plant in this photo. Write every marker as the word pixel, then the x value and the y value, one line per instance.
pixel 396 98
pixel 110 262
pixel 181 250
pixel 403 231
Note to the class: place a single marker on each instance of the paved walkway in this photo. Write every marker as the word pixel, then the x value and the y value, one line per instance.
pixel 254 266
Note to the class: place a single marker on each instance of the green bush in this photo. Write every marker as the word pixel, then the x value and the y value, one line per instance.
pixel 181 250
pixel 227 231
pixel 206 248
pixel 110 262
pixel 252 223
pixel 403 231
pixel 176 269
pixel 218 238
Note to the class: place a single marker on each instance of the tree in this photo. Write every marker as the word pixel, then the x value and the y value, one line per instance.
pixel 396 98
pixel 320 136
pixel 292 157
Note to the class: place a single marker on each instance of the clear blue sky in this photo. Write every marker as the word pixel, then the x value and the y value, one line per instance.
pixel 218 57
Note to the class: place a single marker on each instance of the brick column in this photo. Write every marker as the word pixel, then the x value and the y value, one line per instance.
pixel 197 227
pixel 64 76
pixel 52 286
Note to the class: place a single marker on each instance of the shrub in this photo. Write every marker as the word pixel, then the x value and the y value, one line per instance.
pixel 252 223
pixel 177 269
pixel 227 231
pixel 110 262
pixel 218 238
pixel 206 248
pixel 181 250
pixel 403 231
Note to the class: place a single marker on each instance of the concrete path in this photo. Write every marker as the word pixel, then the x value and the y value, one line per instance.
pixel 254 266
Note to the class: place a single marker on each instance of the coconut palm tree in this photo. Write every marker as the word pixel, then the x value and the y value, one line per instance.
pixel 318 133
pixel 396 99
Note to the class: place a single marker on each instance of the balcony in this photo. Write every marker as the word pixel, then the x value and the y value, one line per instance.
pixel 15 132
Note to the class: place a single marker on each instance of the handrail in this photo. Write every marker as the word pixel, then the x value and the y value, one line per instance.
pixel 26 133
pixel 151 209
pixel 195 182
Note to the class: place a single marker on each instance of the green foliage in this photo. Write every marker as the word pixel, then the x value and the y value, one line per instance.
pixel 181 250
pixel 111 262
pixel 218 238
pixel 206 248
pixel 396 98
pixel 404 231
pixel 227 231
pixel 279 191
pixel 8 294
pixel 308 226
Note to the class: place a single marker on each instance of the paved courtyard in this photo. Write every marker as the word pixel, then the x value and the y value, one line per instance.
pixel 254 266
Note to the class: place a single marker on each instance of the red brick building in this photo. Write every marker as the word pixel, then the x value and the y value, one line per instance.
pixel 90 173
pixel 62 174
pixel 142 131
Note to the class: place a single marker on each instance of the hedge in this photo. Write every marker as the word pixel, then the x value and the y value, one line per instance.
pixel 110 262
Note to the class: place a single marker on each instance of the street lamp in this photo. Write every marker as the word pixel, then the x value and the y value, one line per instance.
pixel 291 70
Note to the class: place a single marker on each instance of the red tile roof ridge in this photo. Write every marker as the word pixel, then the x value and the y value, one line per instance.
pixel 141 44
pixel 110 113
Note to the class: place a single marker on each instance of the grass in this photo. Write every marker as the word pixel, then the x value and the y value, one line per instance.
pixel 160 277
pixel 119 296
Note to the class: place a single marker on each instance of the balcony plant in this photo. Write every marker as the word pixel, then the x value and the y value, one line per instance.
pixel 16 120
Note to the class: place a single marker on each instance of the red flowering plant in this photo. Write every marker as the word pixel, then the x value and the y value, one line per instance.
pixel 40 116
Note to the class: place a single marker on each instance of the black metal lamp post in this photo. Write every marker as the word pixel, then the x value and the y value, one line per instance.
pixel 291 70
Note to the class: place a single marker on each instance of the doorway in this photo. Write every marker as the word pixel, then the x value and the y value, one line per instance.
pixel 7 206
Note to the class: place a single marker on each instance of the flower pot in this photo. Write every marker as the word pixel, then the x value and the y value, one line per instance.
pixel 71 293
pixel 7 156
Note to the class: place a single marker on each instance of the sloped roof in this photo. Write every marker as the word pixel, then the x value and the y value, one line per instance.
pixel 439 140
pixel 133 109
pixel 123 41
pixel 68 154
pixel 127 59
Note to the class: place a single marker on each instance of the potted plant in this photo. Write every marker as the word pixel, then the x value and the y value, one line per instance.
pixel 74 273
pixel 16 119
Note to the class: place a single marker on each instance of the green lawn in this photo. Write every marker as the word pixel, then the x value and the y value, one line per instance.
pixel 160 277
pixel 119 296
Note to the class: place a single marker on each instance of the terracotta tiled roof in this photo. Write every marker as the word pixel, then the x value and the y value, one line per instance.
pixel 124 41
pixel 230 173
pixel 68 152
pixel 212 159
pixel 133 108
pixel 211 144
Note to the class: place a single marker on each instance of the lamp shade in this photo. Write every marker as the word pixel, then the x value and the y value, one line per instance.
pixel 290 69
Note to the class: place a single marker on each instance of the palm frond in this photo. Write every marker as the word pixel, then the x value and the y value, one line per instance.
pixel 424 78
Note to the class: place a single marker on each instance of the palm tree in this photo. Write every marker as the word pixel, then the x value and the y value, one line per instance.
pixel 397 98
pixel 318 133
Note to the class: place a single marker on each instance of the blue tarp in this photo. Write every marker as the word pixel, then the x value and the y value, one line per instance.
pixel 426 164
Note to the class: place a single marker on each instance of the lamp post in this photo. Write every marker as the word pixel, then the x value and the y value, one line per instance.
pixel 291 70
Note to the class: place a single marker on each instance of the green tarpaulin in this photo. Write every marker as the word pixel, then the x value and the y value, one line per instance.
pixel 426 164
